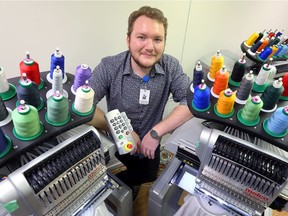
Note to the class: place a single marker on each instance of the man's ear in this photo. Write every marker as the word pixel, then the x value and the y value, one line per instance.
pixel 127 40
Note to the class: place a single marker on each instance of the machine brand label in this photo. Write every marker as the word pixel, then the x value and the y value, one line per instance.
pixel 94 173
pixel 255 194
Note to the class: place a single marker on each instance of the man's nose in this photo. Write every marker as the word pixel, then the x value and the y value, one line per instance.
pixel 149 44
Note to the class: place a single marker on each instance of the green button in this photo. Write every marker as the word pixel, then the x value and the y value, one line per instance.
pixel 120 137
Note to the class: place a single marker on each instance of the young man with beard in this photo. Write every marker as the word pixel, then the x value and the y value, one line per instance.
pixel 123 79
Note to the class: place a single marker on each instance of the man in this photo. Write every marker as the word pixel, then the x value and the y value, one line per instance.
pixel 139 82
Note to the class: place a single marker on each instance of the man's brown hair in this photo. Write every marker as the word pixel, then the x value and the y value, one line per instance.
pixel 150 12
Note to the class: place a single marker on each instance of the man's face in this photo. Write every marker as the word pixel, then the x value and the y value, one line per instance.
pixel 146 42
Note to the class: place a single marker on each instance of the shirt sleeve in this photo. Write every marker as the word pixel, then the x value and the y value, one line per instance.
pixel 99 81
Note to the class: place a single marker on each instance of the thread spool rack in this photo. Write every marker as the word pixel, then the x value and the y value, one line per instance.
pixel 255 59
pixel 256 63
pixel 232 121
pixel 50 131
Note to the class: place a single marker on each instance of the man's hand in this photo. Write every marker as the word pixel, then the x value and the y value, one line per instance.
pixel 149 145
pixel 137 143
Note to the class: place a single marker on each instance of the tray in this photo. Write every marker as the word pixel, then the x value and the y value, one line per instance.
pixel 50 131
pixel 232 121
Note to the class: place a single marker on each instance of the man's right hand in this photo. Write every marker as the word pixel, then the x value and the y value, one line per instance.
pixel 137 142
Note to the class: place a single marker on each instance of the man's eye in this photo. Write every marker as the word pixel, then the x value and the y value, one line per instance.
pixel 158 40
pixel 141 37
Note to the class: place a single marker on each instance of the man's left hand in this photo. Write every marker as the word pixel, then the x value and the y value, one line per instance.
pixel 148 146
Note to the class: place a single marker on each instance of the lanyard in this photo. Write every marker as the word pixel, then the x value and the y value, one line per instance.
pixel 146 78
pixel 144 93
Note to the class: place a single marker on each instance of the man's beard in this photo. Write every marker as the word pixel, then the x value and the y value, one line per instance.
pixel 140 64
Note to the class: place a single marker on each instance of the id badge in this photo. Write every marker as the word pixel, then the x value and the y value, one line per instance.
pixel 144 96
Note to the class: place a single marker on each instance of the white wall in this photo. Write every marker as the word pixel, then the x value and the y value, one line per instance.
pixel 225 25
pixel 86 31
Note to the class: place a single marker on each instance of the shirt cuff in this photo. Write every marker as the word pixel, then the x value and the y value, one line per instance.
pixel 183 102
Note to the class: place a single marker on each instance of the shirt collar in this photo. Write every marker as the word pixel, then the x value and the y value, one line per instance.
pixel 157 69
